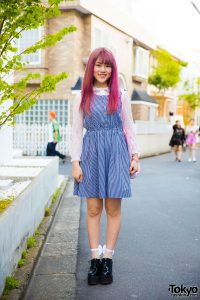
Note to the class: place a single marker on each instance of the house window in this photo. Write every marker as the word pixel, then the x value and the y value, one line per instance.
pixel 29 38
pixel 141 62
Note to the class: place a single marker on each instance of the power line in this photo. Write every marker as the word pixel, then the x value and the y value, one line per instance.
pixel 195 6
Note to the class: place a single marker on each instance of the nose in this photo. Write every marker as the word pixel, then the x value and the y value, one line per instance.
pixel 103 68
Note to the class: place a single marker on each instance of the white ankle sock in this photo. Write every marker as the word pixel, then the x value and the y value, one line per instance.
pixel 98 251
pixel 110 251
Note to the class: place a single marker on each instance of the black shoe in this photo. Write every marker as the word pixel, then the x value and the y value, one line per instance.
pixel 94 271
pixel 106 271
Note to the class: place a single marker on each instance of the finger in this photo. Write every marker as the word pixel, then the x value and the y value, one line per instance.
pixel 77 178
pixel 134 170
pixel 132 167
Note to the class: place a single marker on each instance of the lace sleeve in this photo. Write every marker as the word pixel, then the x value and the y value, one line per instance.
pixel 128 125
pixel 77 130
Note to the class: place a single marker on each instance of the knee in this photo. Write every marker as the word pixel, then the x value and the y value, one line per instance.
pixel 94 211
pixel 113 212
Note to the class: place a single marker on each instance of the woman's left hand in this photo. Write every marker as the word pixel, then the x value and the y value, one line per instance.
pixel 134 167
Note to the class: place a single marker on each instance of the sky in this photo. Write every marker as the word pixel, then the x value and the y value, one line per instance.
pixel 174 24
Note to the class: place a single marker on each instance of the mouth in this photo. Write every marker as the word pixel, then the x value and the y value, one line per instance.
pixel 102 75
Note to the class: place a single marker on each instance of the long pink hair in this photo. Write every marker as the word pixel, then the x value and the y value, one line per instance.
pixel 88 81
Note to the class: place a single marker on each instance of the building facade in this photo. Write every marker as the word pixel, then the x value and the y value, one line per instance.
pixel 96 27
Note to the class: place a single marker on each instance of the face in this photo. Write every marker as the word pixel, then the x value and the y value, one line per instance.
pixel 102 71
pixel 192 122
pixel 178 123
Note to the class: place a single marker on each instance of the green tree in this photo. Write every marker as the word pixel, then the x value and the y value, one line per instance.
pixel 192 93
pixel 166 70
pixel 17 16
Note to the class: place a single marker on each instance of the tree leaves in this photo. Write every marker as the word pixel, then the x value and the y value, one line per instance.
pixel 166 71
pixel 192 94
pixel 50 40
pixel 17 16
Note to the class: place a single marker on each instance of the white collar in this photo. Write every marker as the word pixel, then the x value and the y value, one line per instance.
pixel 101 91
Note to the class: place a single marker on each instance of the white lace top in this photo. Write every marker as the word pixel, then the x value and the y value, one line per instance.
pixel 192 129
pixel 78 130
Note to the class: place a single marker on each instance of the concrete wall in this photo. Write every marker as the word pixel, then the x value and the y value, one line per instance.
pixel 116 12
pixel 21 219
pixel 153 144
pixel 153 137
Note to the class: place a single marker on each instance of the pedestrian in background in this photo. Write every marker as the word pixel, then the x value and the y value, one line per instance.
pixel 192 132
pixel 105 158
pixel 177 140
pixel 54 137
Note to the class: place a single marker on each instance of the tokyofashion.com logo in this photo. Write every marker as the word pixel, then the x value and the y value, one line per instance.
pixel 182 290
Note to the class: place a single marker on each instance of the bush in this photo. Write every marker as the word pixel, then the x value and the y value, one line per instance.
pixel 10 284
pixel 47 212
pixel 24 254
pixel 21 263
pixel 55 195
pixel 31 242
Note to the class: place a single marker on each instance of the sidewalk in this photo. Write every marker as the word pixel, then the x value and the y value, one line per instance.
pixel 54 277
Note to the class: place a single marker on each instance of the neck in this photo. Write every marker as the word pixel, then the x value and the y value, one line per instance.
pixel 100 85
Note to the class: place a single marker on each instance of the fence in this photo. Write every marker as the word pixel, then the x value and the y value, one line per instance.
pixel 32 139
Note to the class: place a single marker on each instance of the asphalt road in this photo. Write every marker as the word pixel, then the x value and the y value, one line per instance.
pixel 159 241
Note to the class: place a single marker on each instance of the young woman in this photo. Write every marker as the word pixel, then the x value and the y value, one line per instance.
pixel 177 140
pixel 191 132
pixel 105 158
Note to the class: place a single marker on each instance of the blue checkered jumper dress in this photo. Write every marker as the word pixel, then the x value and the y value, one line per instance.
pixel 105 159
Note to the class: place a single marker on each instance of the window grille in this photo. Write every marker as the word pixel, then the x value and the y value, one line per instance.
pixel 32 127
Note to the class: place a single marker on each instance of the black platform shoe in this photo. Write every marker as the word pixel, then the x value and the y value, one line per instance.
pixel 106 271
pixel 94 271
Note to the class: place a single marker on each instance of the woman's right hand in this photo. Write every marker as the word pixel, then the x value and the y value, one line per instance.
pixel 77 172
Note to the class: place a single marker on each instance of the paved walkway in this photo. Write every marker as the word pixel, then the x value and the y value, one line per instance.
pixel 159 242
pixel 158 245
pixel 55 273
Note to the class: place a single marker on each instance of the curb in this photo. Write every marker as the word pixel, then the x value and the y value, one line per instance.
pixel 49 223
pixel 54 274
pixel 25 273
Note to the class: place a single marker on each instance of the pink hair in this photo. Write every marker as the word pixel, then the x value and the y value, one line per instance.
pixel 88 81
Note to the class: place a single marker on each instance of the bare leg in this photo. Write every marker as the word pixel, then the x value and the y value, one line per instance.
pixel 190 152
pixel 193 152
pixel 94 211
pixel 175 151
pixel 179 153
pixel 113 212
